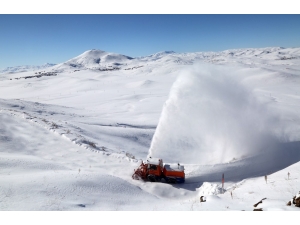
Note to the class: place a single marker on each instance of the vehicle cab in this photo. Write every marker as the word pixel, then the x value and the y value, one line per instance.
pixel 154 166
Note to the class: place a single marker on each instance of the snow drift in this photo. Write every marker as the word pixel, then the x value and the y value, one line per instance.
pixel 212 117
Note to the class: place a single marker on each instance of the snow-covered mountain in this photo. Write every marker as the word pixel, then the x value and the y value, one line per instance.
pixel 96 59
pixel 73 133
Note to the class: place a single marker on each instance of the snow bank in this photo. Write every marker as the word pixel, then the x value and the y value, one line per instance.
pixel 212 117
pixel 209 189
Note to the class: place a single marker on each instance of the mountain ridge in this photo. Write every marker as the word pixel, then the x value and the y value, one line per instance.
pixel 99 59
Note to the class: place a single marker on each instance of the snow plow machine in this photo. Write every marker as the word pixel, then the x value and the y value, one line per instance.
pixel 154 170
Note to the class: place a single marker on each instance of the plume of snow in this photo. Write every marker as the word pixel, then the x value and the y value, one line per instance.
pixel 212 117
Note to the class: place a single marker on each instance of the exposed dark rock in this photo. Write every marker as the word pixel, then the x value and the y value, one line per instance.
pixel 202 199
pixel 259 209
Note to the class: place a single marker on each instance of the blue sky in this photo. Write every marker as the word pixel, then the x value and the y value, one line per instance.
pixel 31 39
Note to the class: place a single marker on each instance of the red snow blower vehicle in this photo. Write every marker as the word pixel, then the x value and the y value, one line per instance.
pixel 155 171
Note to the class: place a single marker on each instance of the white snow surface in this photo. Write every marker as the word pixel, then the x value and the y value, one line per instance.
pixel 25 68
pixel 71 138
pixel 97 59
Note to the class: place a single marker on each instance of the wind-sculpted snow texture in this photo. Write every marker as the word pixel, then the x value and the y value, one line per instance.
pixel 211 117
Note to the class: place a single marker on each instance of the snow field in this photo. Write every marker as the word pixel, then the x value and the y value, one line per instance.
pixel 71 142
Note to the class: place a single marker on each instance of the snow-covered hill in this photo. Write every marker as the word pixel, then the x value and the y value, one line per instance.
pixel 96 59
pixel 19 69
pixel 73 133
